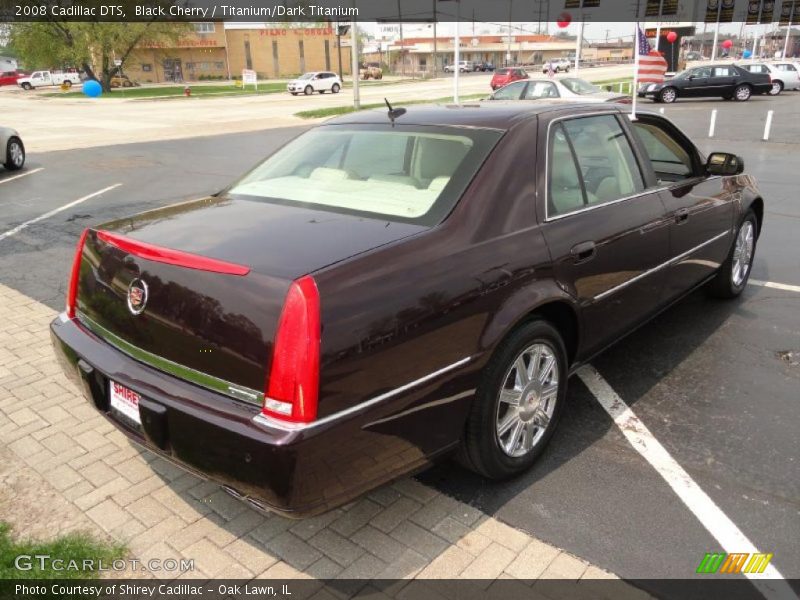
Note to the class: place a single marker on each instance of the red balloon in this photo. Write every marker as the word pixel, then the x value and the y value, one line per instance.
pixel 727 44
pixel 564 19
pixel 671 37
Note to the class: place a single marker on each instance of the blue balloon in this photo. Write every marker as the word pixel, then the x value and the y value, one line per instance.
pixel 92 88
pixel 747 54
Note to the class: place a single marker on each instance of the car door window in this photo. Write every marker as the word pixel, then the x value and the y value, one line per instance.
pixel 510 92
pixel 670 160
pixel 565 193
pixel 540 89
pixel 605 158
pixel 701 72
pixel 722 72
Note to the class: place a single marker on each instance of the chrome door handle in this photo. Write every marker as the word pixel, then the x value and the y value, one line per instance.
pixel 681 215
pixel 583 251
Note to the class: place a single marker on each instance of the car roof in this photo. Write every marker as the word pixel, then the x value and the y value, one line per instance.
pixel 492 115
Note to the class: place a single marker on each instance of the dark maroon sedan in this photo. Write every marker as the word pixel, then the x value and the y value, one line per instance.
pixel 381 292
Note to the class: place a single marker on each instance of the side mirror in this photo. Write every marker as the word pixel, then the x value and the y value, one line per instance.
pixel 723 163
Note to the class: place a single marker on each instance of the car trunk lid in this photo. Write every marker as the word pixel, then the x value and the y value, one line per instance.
pixel 197 289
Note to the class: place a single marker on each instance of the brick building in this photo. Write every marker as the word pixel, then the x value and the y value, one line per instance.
pixel 221 51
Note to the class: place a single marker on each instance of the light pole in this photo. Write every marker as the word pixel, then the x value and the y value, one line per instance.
pixel 457 49
pixel 508 52
pixel 354 64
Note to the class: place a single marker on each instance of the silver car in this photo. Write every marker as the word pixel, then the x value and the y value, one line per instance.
pixel 565 88
pixel 11 149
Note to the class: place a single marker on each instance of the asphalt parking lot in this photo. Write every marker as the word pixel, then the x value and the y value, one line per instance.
pixel 715 382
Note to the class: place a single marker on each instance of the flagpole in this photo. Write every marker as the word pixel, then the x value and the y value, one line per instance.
pixel 635 69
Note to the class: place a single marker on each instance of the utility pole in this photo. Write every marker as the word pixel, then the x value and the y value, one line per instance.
pixel 339 48
pixel 457 55
pixel 508 51
pixel 435 53
pixel 578 45
pixel 716 33
pixel 354 64
pixel 402 48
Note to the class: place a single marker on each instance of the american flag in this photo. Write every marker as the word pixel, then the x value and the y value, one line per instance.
pixel 652 65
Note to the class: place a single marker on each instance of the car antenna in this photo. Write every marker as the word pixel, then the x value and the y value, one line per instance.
pixel 394 112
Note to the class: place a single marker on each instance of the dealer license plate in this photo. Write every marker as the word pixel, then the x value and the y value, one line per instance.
pixel 125 401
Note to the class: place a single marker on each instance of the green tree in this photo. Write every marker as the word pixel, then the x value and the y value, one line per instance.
pixel 92 45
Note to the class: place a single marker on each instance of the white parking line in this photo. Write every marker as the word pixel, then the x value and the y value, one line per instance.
pixel 55 211
pixel 25 174
pixel 776 286
pixel 770 583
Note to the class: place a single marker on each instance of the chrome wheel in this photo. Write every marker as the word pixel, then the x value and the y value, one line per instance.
pixel 743 253
pixel 16 154
pixel 668 96
pixel 527 399
pixel 776 88
pixel 742 93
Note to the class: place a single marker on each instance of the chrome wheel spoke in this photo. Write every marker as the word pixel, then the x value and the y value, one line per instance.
pixel 522 372
pixel 549 391
pixel 510 419
pixel 533 364
pixel 547 369
pixel 513 439
pixel 511 397
pixel 527 440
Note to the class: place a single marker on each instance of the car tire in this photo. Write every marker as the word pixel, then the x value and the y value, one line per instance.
pixel 27 86
pixel 734 273
pixel 15 154
pixel 777 88
pixel 668 95
pixel 502 440
pixel 127 84
pixel 336 87
pixel 566 70
pixel 308 91
pixel 68 83
pixel 742 92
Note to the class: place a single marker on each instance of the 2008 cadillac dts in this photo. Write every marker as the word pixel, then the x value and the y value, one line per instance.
pixel 382 291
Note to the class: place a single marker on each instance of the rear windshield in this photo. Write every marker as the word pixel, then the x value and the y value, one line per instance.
pixel 401 173
pixel 579 86
pixel 502 71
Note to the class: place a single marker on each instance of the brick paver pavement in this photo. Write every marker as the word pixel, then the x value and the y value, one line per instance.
pixel 403 530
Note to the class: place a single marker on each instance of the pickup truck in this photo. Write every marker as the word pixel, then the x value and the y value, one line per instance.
pixel 558 64
pixel 39 79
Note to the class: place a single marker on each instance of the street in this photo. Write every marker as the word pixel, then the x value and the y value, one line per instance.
pixel 715 382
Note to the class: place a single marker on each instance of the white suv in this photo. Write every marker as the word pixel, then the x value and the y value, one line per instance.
pixel 789 74
pixel 464 66
pixel 316 81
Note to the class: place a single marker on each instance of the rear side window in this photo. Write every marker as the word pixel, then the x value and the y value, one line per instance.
pixel 512 91
pixel 786 68
pixel 723 72
pixel 541 89
pixel 601 157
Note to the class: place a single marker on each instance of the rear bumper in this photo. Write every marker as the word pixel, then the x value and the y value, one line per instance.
pixel 295 472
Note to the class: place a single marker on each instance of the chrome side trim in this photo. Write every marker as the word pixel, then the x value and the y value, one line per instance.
pixel 215 384
pixel 262 419
pixel 663 265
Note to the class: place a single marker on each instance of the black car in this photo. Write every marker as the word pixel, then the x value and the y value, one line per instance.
pixel 484 66
pixel 726 81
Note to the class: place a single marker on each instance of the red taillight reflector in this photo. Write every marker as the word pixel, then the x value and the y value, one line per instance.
pixel 172 257
pixel 72 290
pixel 293 389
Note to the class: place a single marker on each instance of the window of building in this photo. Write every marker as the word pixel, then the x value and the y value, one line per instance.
pixel 204 27
pixel 147 67
pixel 219 65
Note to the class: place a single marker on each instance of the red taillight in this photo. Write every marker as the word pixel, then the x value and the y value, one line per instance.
pixel 293 388
pixel 72 290
pixel 172 257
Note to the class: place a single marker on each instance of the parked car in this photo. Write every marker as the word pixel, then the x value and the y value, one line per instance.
pixel 783 77
pixel 789 73
pixel 11 77
pixel 484 66
pixel 566 88
pixel 39 79
pixel 317 81
pixel 371 71
pixel 726 81
pixel 123 81
pixel 695 56
pixel 12 149
pixel 558 65
pixel 397 289
pixel 464 66
pixel 506 75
